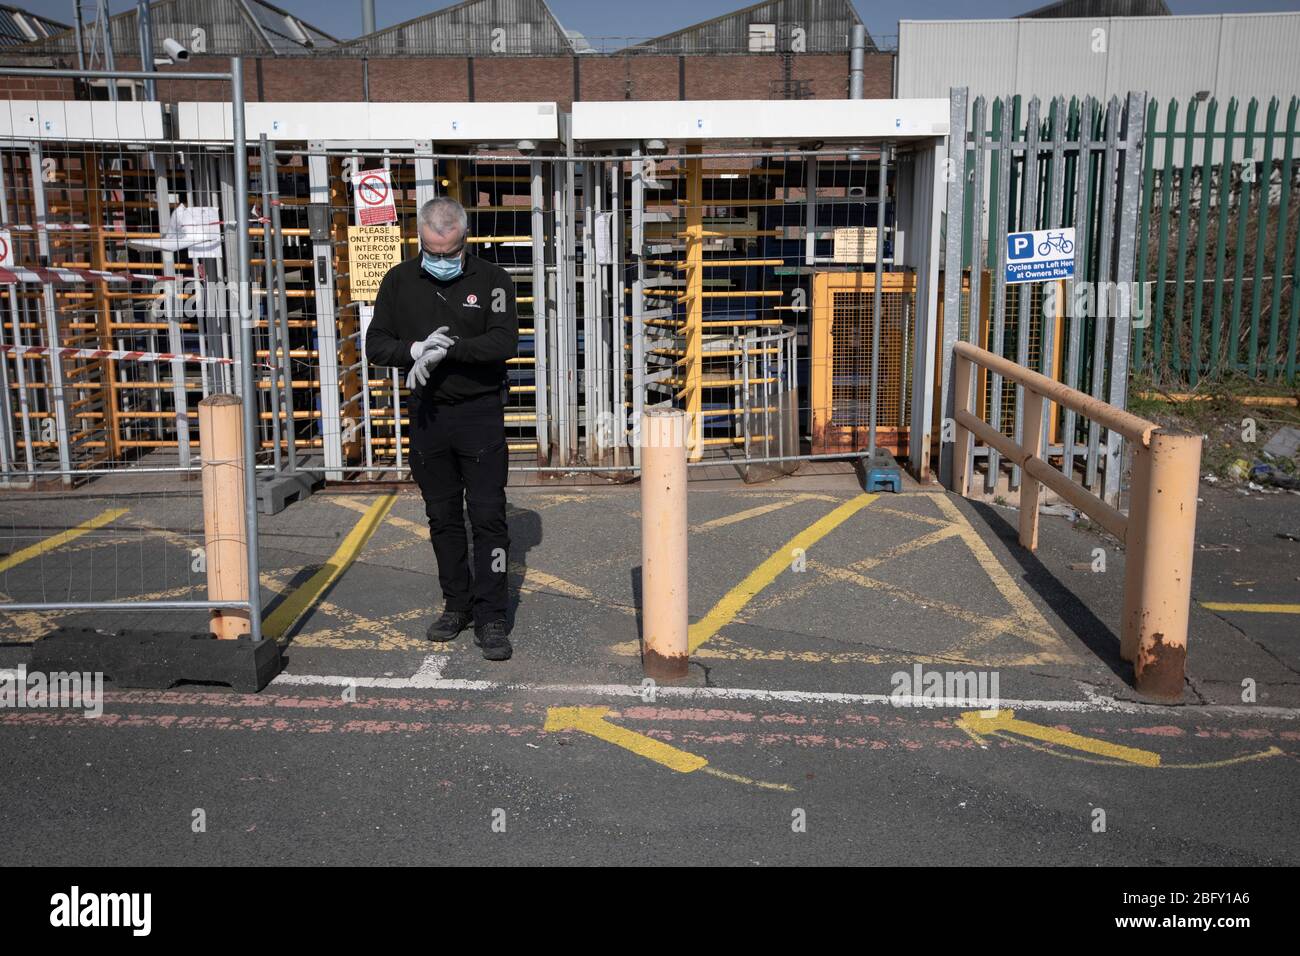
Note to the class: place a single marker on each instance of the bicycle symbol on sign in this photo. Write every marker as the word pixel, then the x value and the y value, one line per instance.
pixel 1057 241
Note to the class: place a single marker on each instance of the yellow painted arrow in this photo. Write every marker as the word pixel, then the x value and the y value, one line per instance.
pixel 984 722
pixel 591 720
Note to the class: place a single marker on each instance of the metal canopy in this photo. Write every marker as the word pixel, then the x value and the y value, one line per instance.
pixel 776 120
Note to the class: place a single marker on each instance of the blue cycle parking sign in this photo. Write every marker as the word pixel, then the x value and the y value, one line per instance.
pixel 1040 256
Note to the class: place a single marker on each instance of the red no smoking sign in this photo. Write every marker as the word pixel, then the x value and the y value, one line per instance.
pixel 373 193
pixel 6 249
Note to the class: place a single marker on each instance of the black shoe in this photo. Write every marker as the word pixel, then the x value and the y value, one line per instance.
pixel 449 625
pixel 492 638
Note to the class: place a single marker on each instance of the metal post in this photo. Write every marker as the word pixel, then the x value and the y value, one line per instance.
pixel 175 341
pixel 1130 173
pixel 857 50
pixel 876 302
pixel 665 627
pixel 569 272
pixel 590 314
pixel 246 344
pixel 558 362
pixel 272 344
pixel 104 25
pixel 326 324
pixel 273 240
pixel 1082 216
pixel 694 296
pixel 9 447
pixel 975 307
pixel 1028 221
pixel 1101 305
pixel 144 22
pixel 638 296
pixel 617 326
pixel 952 266
pixel 78 27
pixel 998 233
pixel 57 407
pixel 1160 543
pixel 1055 192
pixel 540 312
pixel 810 212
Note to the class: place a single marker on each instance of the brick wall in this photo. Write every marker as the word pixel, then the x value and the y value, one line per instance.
pixel 24 88
pixel 502 79
pixel 412 80
pixel 496 79
pixel 629 77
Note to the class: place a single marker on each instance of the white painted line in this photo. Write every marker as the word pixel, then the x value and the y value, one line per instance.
pixel 429 677
pixel 425 679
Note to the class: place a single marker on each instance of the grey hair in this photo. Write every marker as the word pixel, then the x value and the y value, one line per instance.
pixel 444 216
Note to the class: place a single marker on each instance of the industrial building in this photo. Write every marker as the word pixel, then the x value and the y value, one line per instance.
pixel 19 26
pixel 1102 54
pixel 503 51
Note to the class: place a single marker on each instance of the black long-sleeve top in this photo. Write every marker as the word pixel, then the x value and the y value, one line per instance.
pixel 478 308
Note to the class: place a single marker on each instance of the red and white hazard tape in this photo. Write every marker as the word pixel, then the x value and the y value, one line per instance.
pixel 29 351
pixel 42 226
pixel 60 227
pixel 53 276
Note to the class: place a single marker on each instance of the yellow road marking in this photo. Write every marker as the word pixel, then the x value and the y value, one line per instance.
pixel 737 778
pixel 915 516
pixel 537 580
pixel 1273 751
pixel 753 512
pixel 591 720
pixel 1011 592
pixel 907 547
pixel 293 607
pixel 541 580
pixel 1252 608
pixel 983 724
pixel 725 611
pixel 1011 624
pixel 983 634
pixel 194 540
pixel 63 537
pixel 1025 620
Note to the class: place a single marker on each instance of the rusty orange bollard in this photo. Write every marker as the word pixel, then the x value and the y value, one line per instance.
pixel 1160 544
pixel 664 621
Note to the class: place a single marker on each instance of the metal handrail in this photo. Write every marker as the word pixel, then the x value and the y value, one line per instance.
pixel 1159 532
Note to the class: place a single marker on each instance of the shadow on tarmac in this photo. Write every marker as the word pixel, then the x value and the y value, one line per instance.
pixel 1093 632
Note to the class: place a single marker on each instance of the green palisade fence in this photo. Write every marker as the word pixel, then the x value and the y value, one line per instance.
pixel 1218 230
pixel 1219 236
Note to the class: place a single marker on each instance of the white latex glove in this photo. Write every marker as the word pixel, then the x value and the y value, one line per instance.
pixel 424 365
pixel 437 339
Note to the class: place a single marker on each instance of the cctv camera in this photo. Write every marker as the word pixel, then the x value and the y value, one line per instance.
pixel 174 50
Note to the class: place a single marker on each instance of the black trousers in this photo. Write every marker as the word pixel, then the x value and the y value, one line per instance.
pixel 458 457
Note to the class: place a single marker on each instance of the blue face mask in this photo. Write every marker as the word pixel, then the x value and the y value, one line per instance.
pixel 444 269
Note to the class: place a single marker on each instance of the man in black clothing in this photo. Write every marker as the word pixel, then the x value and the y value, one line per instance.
pixel 449 318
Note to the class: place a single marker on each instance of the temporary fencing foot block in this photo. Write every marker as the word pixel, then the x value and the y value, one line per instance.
pixel 159 659
pixel 277 492
pixel 882 473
